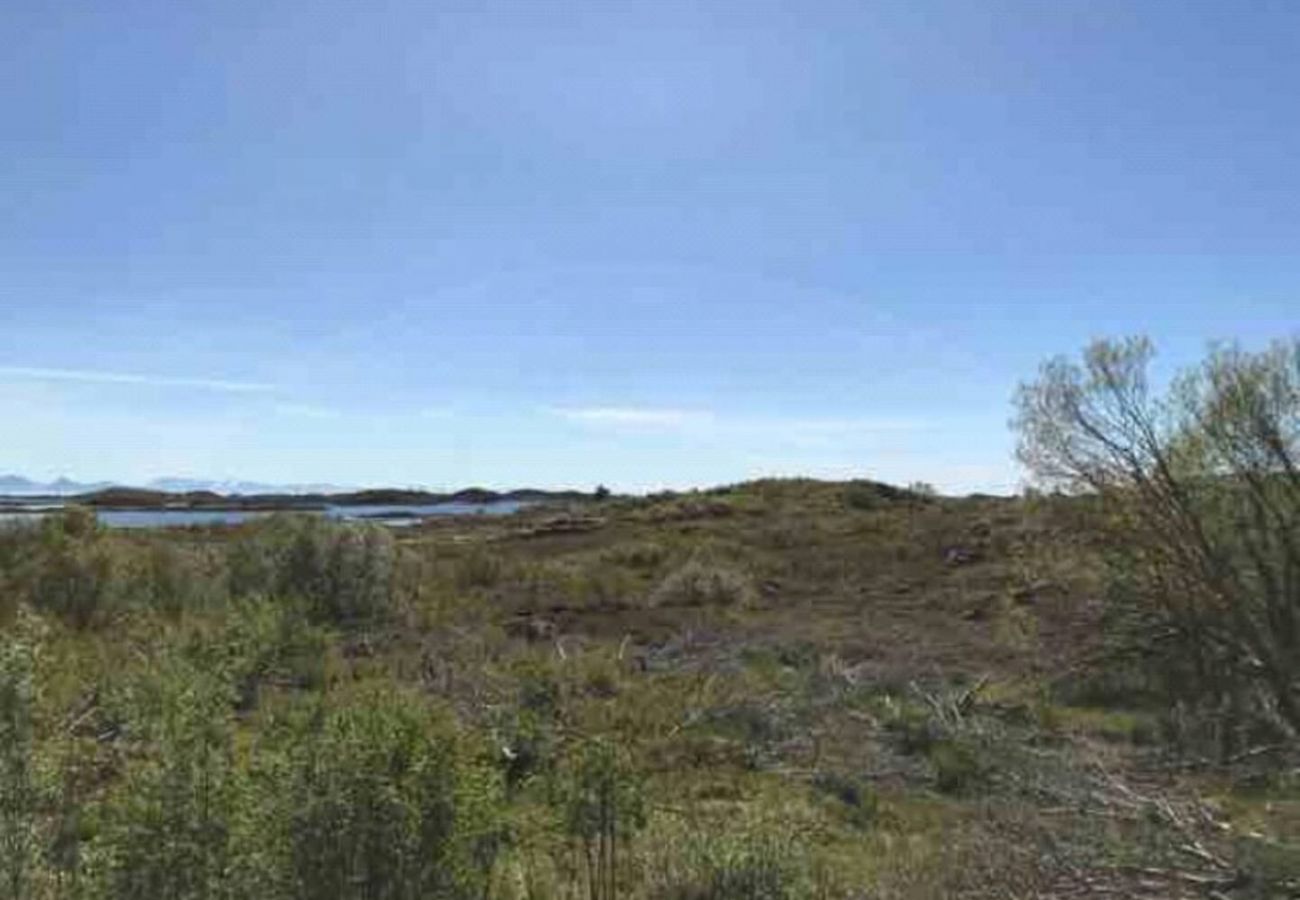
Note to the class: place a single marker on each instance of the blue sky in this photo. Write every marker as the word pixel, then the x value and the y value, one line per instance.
pixel 641 243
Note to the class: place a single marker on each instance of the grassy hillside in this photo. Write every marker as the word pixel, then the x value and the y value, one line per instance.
pixel 782 689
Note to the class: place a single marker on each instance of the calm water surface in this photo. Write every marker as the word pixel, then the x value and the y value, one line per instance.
pixel 164 518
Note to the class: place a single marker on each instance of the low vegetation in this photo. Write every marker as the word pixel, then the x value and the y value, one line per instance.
pixel 779 689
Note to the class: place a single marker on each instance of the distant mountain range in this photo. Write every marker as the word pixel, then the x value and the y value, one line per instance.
pixel 18 486
pixel 197 493
pixel 232 487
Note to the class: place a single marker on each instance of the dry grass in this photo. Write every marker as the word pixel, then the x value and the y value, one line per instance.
pixel 827 690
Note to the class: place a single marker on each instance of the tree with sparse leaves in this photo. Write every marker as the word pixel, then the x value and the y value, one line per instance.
pixel 1202 481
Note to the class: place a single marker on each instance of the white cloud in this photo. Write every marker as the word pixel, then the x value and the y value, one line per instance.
pixel 793 429
pixel 306 411
pixel 640 417
pixel 848 426
pixel 88 376
pixel 359 416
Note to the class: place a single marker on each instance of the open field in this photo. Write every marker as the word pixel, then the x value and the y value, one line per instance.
pixel 778 689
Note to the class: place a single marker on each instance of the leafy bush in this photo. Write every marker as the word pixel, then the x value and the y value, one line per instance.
pixel 259 640
pixel 18 792
pixel 527 729
pixel 940 726
pixel 1273 867
pixel 603 807
pixel 958 764
pixel 862 498
pixel 345 572
pixel 166 828
pixel 869 495
pixel 1203 487
pixel 384 803
pixel 68 566
pixel 175 578
pixel 914 728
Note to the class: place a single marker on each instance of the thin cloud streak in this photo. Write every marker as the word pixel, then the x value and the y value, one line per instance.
pixel 615 416
pixel 87 376
pixel 307 411
pixel 850 426
pixel 634 416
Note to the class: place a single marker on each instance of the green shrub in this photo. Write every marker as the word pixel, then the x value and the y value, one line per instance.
pixel 254 561
pixel 165 829
pixel 526 729
pixel 18 791
pixel 862 498
pixel 259 640
pixel 345 572
pixel 959 766
pixel 373 796
pixel 73 522
pixel 603 807
pixel 176 578
pixel 1200 484
pixel 866 496
pixel 67 566
pixel 1272 868
pixel 527 747
pixel 914 728
pixel 384 803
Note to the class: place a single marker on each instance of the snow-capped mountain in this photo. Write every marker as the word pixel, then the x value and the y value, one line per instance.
pixel 19 486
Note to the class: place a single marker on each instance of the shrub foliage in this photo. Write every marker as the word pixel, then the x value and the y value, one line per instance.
pixel 1203 485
